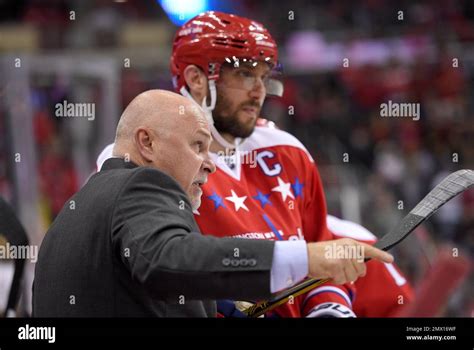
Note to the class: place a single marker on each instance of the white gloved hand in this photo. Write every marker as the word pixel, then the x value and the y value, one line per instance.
pixel 331 310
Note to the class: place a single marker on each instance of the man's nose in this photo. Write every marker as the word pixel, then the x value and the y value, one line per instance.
pixel 259 91
pixel 208 165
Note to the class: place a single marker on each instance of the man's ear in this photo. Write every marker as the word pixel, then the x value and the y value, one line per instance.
pixel 196 81
pixel 144 139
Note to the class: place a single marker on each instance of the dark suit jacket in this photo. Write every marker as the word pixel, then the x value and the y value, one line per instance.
pixel 127 245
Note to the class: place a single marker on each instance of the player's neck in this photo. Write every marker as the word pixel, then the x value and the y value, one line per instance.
pixel 217 147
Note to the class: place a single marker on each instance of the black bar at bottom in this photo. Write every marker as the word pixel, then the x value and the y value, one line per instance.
pixel 454 333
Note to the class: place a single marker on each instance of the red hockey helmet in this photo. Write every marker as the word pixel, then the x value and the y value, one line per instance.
pixel 213 38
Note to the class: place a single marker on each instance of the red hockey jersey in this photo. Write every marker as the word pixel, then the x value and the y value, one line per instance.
pixel 270 189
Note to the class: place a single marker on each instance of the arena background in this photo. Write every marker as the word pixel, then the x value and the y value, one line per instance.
pixel 341 60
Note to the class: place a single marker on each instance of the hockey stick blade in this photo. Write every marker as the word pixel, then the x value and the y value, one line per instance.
pixel 447 189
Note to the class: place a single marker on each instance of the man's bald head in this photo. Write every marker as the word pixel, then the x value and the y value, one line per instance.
pixel 169 132
pixel 160 110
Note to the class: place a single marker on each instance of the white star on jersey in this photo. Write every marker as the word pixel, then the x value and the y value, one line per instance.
pixel 284 189
pixel 238 201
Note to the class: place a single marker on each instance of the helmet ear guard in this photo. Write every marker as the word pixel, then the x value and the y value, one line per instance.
pixel 211 81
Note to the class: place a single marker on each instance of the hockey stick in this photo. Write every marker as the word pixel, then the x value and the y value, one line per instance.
pixel 447 189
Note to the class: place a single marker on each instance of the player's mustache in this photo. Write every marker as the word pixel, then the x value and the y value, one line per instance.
pixel 251 104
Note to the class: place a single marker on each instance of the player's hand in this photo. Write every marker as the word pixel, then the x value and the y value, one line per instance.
pixel 342 260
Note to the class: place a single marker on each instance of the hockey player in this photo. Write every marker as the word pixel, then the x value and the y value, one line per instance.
pixel 267 185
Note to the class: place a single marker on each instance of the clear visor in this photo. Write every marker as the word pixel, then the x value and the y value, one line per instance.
pixel 246 74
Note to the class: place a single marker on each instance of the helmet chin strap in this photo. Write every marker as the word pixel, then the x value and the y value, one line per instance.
pixel 208 112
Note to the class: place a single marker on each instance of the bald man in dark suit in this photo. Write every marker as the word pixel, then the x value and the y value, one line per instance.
pixel 127 244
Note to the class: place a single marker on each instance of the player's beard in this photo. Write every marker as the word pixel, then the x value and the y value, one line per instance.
pixel 227 120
